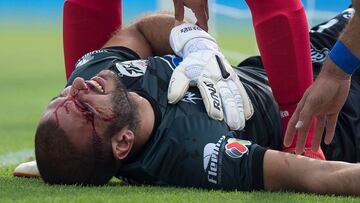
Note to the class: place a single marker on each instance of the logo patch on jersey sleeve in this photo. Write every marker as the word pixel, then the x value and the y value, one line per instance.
pixel 133 68
pixel 212 161
pixel 88 57
pixel 236 148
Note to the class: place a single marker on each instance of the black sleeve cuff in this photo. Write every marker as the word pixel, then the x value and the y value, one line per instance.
pixel 257 166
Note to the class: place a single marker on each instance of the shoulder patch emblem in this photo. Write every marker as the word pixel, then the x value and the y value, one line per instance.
pixel 211 161
pixel 84 60
pixel 88 57
pixel 134 68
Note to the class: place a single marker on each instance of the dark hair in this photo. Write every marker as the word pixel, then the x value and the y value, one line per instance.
pixel 61 162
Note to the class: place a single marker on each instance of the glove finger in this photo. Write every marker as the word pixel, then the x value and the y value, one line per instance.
pixel 178 85
pixel 237 95
pixel 239 101
pixel 211 98
pixel 246 102
pixel 233 113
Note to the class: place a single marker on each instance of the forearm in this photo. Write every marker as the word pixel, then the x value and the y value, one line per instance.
pixel 284 171
pixel 351 34
pixel 351 39
pixel 147 36
pixel 156 30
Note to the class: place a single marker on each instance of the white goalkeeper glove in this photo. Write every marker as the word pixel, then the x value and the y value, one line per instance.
pixel 204 66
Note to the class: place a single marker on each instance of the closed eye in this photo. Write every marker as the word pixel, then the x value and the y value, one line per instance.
pixel 85 107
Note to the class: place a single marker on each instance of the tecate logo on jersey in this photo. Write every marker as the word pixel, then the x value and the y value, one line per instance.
pixel 236 148
pixel 212 160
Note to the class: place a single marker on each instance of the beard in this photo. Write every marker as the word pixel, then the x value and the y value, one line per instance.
pixel 126 113
pixel 124 107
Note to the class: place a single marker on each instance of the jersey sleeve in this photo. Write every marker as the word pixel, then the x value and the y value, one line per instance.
pixel 226 163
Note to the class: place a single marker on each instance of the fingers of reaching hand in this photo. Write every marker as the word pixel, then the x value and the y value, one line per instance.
pixel 201 13
pixel 297 124
pixel 207 8
pixel 300 121
pixel 179 10
pixel 211 97
pixel 330 127
pixel 319 129
pixel 232 104
pixel 291 129
pixel 199 7
pixel 303 126
pixel 179 84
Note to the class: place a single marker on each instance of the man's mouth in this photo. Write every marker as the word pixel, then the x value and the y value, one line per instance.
pixel 96 85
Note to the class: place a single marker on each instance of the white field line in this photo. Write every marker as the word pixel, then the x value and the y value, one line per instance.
pixel 313 13
pixel 245 13
pixel 231 12
pixel 16 157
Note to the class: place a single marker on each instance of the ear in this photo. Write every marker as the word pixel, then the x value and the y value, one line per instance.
pixel 122 143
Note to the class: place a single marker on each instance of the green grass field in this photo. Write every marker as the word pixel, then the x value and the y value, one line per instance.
pixel 32 72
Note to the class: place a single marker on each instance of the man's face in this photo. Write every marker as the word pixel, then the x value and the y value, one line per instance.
pixel 86 108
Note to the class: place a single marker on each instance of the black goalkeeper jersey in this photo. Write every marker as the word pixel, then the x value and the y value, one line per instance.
pixel 187 148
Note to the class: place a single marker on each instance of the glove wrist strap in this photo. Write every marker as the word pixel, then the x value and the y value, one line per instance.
pixel 182 34
pixel 200 44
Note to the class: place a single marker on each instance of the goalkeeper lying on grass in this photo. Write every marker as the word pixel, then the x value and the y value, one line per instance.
pixel 114 119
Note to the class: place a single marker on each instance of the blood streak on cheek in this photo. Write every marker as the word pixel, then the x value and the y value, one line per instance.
pixel 57 109
pixel 88 116
pixel 94 133
pixel 66 107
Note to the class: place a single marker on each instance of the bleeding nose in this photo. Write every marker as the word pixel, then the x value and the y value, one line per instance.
pixel 78 85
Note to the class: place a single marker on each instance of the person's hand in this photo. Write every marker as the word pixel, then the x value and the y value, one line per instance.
pixel 199 7
pixel 323 100
pixel 205 67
